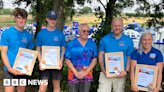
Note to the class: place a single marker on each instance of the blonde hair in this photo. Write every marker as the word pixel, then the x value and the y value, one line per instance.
pixel 117 19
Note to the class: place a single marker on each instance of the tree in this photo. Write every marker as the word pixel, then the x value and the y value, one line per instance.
pixel 86 10
pixel 1 4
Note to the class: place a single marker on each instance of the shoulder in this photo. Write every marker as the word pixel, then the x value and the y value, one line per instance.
pixel 157 51
pixel 60 32
pixel 107 37
pixel 91 42
pixel 8 31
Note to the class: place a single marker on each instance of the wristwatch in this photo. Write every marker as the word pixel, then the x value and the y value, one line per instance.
pixel 127 71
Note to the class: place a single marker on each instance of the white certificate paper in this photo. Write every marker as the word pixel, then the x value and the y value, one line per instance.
pixel 25 59
pixel 114 61
pixel 50 57
pixel 145 76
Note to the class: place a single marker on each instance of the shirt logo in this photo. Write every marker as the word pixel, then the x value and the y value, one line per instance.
pixel 121 43
pixel 24 40
pixel 56 38
pixel 152 55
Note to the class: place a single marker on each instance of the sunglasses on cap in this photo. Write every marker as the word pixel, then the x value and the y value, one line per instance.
pixel 86 31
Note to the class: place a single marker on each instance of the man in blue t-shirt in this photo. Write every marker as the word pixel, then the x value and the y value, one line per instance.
pixel 51 36
pixel 115 42
pixel 12 39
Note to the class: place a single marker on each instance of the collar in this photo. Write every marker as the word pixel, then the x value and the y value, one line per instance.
pixel 119 38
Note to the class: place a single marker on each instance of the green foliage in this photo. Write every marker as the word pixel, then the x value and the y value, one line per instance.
pixel 86 10
pixel 6 11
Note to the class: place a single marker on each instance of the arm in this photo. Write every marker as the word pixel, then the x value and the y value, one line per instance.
pixel 5 60
pixel 101 61
pixel 39 58
pixel 71 67
pixel 159 76
pixel 132 75
pixel 62 58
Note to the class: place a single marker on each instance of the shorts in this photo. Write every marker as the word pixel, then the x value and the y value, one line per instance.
pixel 56 74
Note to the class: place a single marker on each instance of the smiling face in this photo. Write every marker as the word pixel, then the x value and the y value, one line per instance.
pixel 117 26
pixel 20 21
pixel 51 22
pixel 147 41
pixel 84 32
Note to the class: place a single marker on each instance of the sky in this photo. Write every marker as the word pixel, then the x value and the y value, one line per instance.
pixel 8 4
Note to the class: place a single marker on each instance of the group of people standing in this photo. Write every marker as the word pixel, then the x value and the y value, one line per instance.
pixel 80 55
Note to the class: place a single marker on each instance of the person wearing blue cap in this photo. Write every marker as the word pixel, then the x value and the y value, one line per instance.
pixel 146 54
pixel 115 41
pixel 12 39
pixel 51 36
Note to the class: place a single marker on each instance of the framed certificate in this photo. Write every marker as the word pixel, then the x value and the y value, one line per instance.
pixel 145 75
pixel 25 61
pixel 50 57
pixel 114 62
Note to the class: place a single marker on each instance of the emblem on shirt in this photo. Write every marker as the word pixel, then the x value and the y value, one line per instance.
pixel 24 39
pixel 56 38
pixel 121 43
pixel 152 55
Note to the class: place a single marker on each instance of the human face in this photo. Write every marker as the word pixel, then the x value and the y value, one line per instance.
pixel 84 32
pixel 51 22
pixel 20 21
pixel 147 41
pixel 117 27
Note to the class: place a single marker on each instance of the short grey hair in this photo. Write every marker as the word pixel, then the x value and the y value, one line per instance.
pixel 140 47
pixel 79 28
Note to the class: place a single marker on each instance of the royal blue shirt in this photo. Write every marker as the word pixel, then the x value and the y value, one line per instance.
pixel 50 38
pixel 15 39
pixel 151 58
pixel 110 44
pixel 81 57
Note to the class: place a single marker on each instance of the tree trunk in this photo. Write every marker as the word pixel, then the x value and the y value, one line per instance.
pixel 38 19
pixel 58 6
pixel 109 11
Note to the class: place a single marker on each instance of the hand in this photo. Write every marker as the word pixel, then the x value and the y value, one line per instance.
pixel 77 74
pixel 82 74
pixel 41 67
pixel 134 88
pixel 15 72
pixel 105 74
pixel 155 90
pixel 60 64
pixel 122 74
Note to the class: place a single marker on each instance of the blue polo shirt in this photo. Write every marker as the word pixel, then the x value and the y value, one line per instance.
pixel 151 58
pixel 15 39
pixel 110 44
pixel 50 38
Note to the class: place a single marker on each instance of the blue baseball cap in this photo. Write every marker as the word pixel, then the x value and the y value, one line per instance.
pixel 52 14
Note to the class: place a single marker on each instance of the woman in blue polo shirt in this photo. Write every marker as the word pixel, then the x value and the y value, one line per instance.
pixel 147 55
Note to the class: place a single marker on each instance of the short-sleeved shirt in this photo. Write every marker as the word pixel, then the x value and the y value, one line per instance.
pixel 15 39
pixel 110 44
pixel 50 38
pixel 151 58
pixel 81 57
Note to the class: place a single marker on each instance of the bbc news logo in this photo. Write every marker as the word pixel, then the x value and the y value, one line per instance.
pixel 23 82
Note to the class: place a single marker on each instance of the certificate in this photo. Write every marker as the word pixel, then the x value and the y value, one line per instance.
pixel 25 61
pixel 50 57
pixel 144 75
pixel 114 62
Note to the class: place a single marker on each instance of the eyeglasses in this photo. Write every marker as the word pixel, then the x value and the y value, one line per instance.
pixel 86 31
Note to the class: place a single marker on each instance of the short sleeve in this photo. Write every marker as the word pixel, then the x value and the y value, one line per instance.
pixel 130 48
pixel 31 43
pixel 38 41
pixel 95 54
pixel 134 55
pixel 63 43
pixel 159 57
pixel 67 54
pixel 5 38
pixel 102 45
